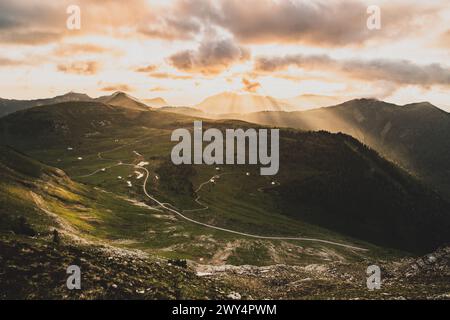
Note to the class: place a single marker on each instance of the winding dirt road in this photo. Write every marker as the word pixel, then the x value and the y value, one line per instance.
pixel 172 209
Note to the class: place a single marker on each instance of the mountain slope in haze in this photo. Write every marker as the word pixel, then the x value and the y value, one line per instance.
pixel 311 101
pixel 416 136
pixel 229 103
pixel 327 180
pixel 188 111
pixel 156 102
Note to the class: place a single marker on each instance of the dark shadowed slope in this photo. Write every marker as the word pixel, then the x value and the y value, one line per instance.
pixel 338 183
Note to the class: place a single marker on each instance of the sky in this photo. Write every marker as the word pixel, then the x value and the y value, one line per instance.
pixel 187 50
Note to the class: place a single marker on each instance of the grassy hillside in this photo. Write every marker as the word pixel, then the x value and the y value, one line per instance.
pixel 36 199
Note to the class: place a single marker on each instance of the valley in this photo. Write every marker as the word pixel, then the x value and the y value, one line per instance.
pixel 102 176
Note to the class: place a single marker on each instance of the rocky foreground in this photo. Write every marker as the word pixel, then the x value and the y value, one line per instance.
pixel 423 278
pixel 36 269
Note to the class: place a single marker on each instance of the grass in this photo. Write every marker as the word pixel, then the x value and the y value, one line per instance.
pixel 255 254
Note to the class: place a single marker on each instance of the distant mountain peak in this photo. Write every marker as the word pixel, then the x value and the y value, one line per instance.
pixel 75 95
pixel 121 94
pixel 365 103
pixel 122 99
pixel 365 100
pixel 156 102
pixel 425 104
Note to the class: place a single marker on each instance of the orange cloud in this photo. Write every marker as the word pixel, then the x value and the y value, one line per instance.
pixel 444 40
pixel 158 89
pixel 165 75
pixel 146 69
pixel 75 49
pixel 117 87
pixel 80 67
pixel 9 62
pixel 250 86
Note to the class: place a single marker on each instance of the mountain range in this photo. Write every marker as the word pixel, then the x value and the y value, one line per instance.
pixel 123 99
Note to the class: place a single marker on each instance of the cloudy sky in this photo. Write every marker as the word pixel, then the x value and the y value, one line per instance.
pixel 186 50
